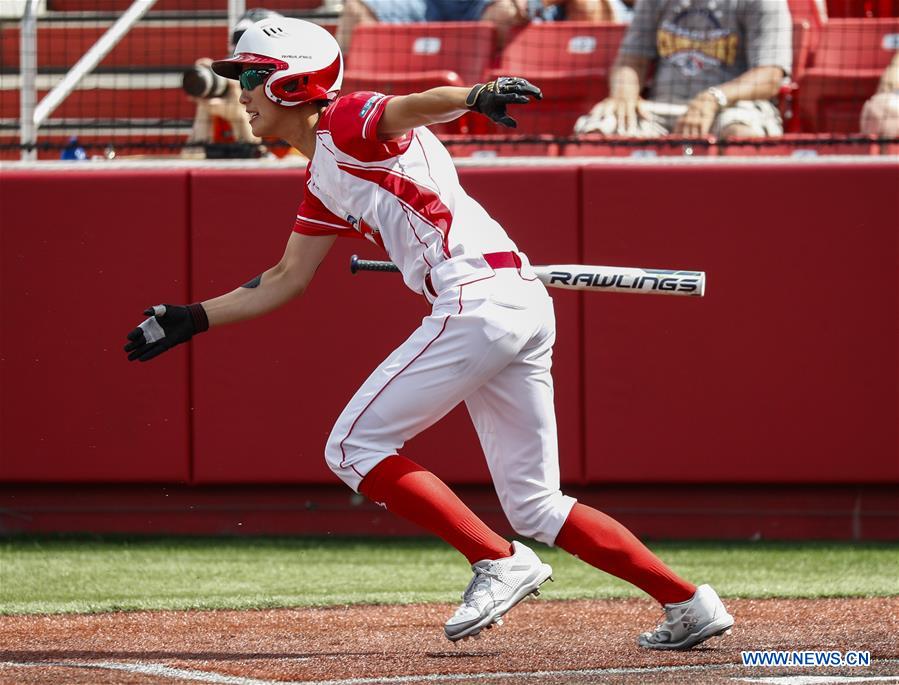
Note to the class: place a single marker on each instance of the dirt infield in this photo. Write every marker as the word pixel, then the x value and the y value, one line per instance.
pixel 541 642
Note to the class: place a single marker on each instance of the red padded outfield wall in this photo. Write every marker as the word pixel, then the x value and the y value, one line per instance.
pixel 787 370
pixel 785 373
pixel 81 255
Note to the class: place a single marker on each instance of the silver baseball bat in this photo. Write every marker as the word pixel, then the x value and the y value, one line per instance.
pixel 619 279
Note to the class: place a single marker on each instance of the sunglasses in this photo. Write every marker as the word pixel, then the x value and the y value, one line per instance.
pixel 250 79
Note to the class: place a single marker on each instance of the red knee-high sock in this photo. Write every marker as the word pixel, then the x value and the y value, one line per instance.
pixel 604 543
pixel 416 494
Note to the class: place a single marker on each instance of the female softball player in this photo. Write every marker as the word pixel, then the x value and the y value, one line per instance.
pixel 377 170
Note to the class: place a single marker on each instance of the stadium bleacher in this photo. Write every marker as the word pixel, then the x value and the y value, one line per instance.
pixel 133 100
pixel 420 56
pixel 173 5
pixel 845 70
pixel 155 43
pixel 570 61
pixel 789 92
pixel 862 8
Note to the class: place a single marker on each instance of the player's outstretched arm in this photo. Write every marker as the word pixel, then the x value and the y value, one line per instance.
pixel 169 325
pixel 446 103
pixel 275 287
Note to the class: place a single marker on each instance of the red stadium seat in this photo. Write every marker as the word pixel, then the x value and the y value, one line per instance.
pixel 107 103
pixel 863 8
pixel 802 37
pixel 117 6
pixel 802 48
pixel 809 11
pixel 570 62
pixel 408 58
pixel 465 48
pixel 144 46
pixel 847 67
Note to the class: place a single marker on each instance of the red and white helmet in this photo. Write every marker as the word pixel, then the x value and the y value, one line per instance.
pixel 306 59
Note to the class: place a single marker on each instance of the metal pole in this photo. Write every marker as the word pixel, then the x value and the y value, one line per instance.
pixel 28 84
pixel 236 9
pixel 91 59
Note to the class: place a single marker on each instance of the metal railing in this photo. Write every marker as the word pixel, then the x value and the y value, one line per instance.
pixel 34 113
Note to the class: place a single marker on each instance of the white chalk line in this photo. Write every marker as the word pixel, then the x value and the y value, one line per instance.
pixel 821 679
pixel 164 671
pixel 212 677
pixel 159 670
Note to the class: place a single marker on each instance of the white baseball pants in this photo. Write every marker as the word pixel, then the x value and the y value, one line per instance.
pixel 488 343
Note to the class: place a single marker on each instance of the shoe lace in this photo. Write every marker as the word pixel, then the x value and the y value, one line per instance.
pixel 664 622
pixel 479 584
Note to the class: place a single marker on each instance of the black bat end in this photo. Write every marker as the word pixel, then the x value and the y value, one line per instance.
pixel 354 264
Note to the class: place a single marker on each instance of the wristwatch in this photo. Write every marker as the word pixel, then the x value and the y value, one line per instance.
pixel 719 96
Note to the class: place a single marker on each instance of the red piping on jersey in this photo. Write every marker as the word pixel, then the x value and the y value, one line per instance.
pixel 343 115
pixel 377 237
pixel 462 285
pixel 375 114
pixel 415 233
pixel 377 394
pixel 431 176
pixel 385 169
pixel 427 161
pixel 390 170
pixel 424 203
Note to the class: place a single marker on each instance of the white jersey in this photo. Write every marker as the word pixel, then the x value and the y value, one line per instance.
pixel 401 194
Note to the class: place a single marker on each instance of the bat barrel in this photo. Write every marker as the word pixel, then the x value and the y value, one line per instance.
pixel 623 279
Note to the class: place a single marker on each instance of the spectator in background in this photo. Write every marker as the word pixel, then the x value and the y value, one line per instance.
pixel 718 65
pixel 220 124
pixel 880 115
pixel 504 14
pixel 622 11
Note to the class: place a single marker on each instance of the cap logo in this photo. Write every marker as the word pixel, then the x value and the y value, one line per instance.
pixel 274 32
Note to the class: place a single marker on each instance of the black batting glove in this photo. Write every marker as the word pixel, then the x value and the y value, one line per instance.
pixel 168 325
pixel 490 99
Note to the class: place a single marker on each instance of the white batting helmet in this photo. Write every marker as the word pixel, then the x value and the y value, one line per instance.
pixel 247 19
pixel 306 59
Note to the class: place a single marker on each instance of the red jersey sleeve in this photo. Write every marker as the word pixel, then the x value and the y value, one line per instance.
pixel 313 218
pixel 353 120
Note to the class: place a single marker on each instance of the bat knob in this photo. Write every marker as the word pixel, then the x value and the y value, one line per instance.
pixel 354 263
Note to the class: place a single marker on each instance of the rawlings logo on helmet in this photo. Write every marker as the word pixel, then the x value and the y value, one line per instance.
pixel 276 42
